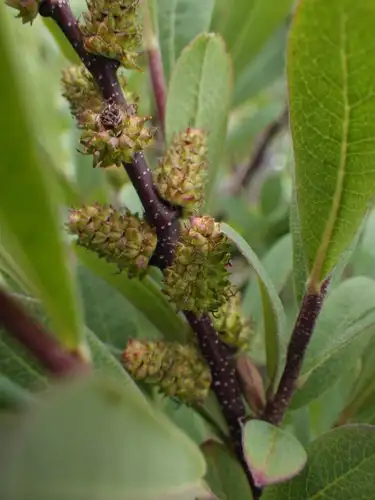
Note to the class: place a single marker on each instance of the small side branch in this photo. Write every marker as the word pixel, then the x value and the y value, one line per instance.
pixel 245 174
pixel 40 343
pixel 155 65
pixel 303 329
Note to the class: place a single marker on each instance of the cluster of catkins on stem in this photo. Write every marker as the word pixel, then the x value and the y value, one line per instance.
pixel 198 279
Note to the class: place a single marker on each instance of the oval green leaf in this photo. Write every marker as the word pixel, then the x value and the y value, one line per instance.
pixel 341 465
pixel 341 333
pixel 29 202
pixel 330 73
pixel 89 440
pixel 272 454
pixel 179 22
pixel 199 95
pixel 273 312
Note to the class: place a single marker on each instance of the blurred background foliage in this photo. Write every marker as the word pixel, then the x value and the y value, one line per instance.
pixel 254 197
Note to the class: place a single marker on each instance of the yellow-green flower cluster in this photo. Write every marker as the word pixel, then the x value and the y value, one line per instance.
pixel 234 329
pixel 181 174
pixel 110 28
pixel 179 370
pixel 119 237
pixel 198 279
pixel 114 135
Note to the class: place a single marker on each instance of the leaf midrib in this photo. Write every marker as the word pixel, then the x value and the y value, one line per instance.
pixel 315 277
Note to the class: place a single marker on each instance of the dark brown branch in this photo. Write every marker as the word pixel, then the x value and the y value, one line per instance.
pixel 224 382
pixel 303 329
pixel 103 70
pixel 165 219
pixel 245 174
pixel 40 343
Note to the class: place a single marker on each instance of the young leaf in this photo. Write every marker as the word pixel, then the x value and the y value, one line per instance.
pixel 199 95
pixel 225 475
pixel 179 22
pixel 28 203
pixel 98 441
pixel 341 333
pixel 246 26
pixel 341 465
pixel 272 454
pixel 273 312
pixel 334 142
pixel 144 295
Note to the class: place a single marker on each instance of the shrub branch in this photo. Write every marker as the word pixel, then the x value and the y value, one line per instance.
pixel 165 218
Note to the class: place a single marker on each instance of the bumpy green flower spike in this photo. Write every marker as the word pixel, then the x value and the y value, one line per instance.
pixel 28 9
pixel 114 135
pixel 231 325
pixel 120 238
pixel 198 279
pixel 110 29
pixel 181 174
pixel 82 93
pixel 178 369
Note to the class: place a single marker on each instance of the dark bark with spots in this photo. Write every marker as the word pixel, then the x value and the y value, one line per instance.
pixel 302 332
pixel 165 219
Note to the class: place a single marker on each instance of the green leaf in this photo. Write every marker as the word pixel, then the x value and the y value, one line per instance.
pixel 97 441
pixel 264 70
pixel 247 25
pixel 340 465
pixel 13 396
pixel 144 295
pixel 179 22
pixel 273 312
pixel 300 274
pixel 225 475
pixel 199 95
pixel 334 142
pixel 277 263
pixel 341 333
pixel 107 313
pixel 18 365
pixel 272 454
pixel 33 231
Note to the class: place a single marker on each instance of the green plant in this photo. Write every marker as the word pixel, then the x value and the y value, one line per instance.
pixel 179 321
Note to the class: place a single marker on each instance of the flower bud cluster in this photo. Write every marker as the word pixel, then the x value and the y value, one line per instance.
pixel 120 238
pixel 110 29
pixel 181 174
pixel 233 328
pixel 179 370
pixel 198 279
pixel 114 135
